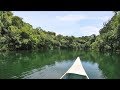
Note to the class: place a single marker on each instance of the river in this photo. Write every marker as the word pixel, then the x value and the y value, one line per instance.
pixel 53 64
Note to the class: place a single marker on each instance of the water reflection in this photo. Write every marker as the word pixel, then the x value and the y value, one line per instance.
pixel 50 71
pixel 53 64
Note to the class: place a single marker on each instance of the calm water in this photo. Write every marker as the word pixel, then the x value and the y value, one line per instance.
pixel 53 64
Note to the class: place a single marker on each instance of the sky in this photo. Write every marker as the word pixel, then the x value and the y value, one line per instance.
pixel 70 23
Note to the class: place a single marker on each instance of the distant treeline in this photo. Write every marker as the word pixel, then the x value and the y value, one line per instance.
pixel 15 34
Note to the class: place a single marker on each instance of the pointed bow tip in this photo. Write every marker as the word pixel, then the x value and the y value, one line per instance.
pixel 78 57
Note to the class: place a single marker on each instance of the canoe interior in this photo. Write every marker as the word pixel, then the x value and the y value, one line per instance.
pixel 74 76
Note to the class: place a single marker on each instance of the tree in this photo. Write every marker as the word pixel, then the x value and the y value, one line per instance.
pixel 17 21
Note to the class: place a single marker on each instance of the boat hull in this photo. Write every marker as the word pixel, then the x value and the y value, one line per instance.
pixel 76 71
pixel 74 76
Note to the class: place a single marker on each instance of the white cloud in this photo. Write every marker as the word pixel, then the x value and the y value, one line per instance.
pixel 87 31
pixel 83 31
pixel 71 17
pixel 103 18
pixel 82 17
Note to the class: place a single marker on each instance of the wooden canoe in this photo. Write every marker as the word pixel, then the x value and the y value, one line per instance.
pixel 76 71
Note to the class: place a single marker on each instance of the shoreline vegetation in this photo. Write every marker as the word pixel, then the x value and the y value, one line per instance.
pixel 16 35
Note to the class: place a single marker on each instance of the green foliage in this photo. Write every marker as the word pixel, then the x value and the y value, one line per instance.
pixel 110 34
pixel 15 34
pixel 17 21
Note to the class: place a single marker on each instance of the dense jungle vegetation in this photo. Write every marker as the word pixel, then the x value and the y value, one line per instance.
pixel 15 34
